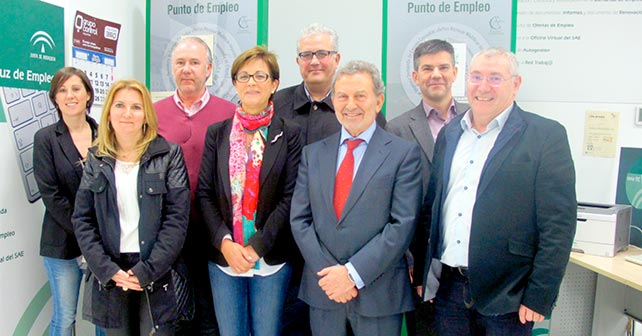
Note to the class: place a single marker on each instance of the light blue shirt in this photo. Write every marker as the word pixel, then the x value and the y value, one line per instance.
pixel 359 150
pixel 358 153
pixel 461 193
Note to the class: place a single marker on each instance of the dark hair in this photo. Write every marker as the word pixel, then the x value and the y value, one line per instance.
pixel 258 52
pixel 61 76
pixel 432 47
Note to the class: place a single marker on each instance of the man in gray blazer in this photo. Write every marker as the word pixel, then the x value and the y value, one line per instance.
pixel 434 73
pixel 353 234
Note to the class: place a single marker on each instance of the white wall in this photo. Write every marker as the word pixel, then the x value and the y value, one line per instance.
pixel 357 22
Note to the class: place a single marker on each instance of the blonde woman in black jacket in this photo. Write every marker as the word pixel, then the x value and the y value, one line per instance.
pixel 131 217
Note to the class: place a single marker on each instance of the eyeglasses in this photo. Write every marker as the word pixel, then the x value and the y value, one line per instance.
pixel 493 80
pixel 321 54
pixel 258 76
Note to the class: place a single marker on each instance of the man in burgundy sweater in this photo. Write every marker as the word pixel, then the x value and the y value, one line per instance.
pixel 183 118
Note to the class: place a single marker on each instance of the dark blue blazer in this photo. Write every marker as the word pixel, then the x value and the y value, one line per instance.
pixel 524 216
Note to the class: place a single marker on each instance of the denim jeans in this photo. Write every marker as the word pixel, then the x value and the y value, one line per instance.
pixel 64 279
pixel 249 305
pixel 452 317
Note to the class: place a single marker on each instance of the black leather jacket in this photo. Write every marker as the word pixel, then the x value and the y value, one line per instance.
pixel 163 200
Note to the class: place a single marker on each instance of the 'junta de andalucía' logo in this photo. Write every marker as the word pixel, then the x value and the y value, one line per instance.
pixel 42 42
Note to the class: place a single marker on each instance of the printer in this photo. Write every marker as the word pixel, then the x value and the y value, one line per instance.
pixel 602 229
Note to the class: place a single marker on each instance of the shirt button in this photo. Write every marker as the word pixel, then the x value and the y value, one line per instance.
pixel 479 137
pixel 458 242
pixel 459 214
pixel 315 107
pixel 471 161
pixel 142 242
pixel 465 188
pixel 140 196
pixel 150 190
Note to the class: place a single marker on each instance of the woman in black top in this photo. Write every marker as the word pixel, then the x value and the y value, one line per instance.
pixel 59 151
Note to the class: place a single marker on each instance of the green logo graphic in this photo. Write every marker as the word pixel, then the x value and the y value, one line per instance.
pixel 33 310
pixel 633 185
pixel 44 39
pixel 32 35
pixel 2 117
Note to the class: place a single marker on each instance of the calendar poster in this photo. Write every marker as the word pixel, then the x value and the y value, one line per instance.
pixel 94 51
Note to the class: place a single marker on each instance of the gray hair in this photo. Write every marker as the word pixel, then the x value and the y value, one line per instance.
pixel 512 59
pixel 198 40
pixel 432 47
pixel 355 67
pixel 318 28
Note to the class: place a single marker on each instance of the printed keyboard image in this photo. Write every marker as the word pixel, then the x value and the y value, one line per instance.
pixel 26 112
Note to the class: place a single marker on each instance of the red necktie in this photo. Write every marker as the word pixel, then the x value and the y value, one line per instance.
pixel 343 181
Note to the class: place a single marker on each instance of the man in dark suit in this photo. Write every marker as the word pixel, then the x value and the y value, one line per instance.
pixel 309 104
pixel 434 73
pixel 503 209
pixel 353 215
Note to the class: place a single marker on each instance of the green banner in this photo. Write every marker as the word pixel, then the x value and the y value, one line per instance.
pixel 32 38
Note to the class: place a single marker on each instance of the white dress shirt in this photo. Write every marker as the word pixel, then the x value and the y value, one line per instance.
pixel 461 193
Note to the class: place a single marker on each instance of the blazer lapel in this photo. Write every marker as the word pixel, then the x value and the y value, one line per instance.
pixel 373 158
pixel 514 126
pixel 421 131
pixel 327 169
pixel 274 143
pixel 68 148
pixel 224 164
pixel 452 138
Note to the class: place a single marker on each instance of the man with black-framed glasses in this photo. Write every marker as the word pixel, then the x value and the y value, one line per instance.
pixel 309 104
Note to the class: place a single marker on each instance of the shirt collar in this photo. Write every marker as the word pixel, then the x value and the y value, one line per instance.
pixel 365 135
pixel 432 111
pixel 196 107
pixel 499 121
pixel 307 94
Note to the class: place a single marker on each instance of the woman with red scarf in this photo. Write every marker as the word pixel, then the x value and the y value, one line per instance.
pixel 245 186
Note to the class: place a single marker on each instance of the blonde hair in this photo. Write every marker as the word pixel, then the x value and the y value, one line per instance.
pixel 106 140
